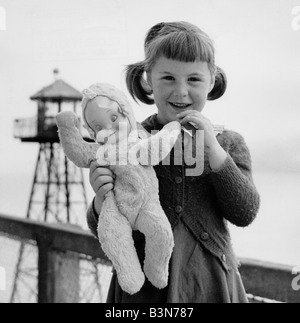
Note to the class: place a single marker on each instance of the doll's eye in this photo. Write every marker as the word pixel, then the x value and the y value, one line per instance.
pixel 114 118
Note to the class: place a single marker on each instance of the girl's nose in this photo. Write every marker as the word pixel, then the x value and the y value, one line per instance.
pixel 181 90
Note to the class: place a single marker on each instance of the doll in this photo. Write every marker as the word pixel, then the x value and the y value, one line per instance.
pixel 134 202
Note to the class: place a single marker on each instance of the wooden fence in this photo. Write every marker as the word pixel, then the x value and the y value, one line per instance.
pixel 59 246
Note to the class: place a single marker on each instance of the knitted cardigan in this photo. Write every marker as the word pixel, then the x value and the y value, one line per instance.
pixel 205 203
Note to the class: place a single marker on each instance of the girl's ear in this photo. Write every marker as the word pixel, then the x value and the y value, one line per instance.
pixel 212 83
pixel 148 78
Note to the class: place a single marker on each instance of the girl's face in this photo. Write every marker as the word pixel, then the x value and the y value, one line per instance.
pixel 105 119
pixel 179 86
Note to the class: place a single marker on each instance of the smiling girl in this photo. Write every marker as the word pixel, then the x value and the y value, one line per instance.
pixel 179 75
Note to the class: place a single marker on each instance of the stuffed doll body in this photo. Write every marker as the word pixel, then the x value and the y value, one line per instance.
pixel 134 202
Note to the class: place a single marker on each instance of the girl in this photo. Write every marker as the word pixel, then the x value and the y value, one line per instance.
pixel 178 75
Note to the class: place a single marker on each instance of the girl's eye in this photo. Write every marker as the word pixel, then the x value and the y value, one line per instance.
pixel 114 118
pixel 168 78
pixel 194 79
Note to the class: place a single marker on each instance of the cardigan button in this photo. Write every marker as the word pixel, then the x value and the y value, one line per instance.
pixel 178 180
pixel 178 209
pixel 204 236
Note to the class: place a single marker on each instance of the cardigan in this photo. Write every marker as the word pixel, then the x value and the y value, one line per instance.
pixel 205 203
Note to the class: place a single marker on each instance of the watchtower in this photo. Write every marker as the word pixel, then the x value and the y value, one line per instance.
pixel 58 185
pixel 58 193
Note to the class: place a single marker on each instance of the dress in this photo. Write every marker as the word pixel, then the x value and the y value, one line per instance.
pixel 196 276
pixel 203 267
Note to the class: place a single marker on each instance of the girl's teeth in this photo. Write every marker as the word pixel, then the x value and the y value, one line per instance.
pixel 180 105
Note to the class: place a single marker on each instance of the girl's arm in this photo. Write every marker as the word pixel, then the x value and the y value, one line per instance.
pixel 233 183
pixel 92 219
pixel 231 170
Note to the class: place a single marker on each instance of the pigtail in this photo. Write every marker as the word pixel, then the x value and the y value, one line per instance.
pixel 220 85
pixel 136 83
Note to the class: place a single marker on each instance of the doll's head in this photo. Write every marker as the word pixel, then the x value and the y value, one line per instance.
pixel 107 114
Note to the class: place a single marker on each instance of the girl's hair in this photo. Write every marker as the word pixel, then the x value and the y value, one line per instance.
pixel 180 41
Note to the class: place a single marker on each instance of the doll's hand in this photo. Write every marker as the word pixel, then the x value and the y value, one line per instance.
pixel 216 153
pixel 102 182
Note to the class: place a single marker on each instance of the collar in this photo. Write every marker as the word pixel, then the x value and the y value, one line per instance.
pixel 152 123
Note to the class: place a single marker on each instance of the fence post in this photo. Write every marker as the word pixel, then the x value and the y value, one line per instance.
pixel 58 277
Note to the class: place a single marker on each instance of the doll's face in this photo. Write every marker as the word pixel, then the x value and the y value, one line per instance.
pixel 106 119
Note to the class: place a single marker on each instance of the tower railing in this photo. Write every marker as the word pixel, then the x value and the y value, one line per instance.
pixel 25 128
pixel 32 129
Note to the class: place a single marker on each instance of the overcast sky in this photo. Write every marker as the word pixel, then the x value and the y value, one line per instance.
pixel 89 41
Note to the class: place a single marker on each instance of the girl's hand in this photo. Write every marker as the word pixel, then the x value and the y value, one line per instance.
pixel 216 153
pixel 202 123
pixel 102 181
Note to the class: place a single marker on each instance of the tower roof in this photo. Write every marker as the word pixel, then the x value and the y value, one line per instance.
pixel 58 91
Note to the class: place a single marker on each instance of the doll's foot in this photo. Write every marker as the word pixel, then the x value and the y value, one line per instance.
pixel 157 275
pixel 131 281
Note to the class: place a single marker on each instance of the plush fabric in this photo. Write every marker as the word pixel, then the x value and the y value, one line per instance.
pixel 134 203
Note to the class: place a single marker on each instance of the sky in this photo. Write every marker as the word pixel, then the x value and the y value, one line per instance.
pixel 257 44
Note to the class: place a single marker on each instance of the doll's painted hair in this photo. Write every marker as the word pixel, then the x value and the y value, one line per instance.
pixel 180 41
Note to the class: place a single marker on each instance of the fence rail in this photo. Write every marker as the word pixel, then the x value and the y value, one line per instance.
pixel 58 245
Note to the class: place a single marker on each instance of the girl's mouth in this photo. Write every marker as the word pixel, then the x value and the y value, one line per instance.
pixel 180 105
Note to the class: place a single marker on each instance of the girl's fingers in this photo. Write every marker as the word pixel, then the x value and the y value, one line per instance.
pixel 102 172
pixel 188 112
pixel 184 113
pixel 103 180
pixel 105 189
pixel 100 182
pixel 96 170
pixel 188 115
pixel 195 119
pixel 94 165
